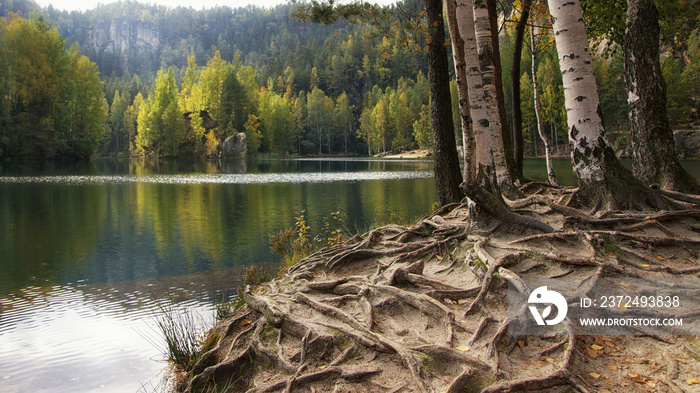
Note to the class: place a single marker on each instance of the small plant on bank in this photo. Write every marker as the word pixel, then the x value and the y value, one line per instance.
pixel 296 243
pixel 224 308
pixel 255 276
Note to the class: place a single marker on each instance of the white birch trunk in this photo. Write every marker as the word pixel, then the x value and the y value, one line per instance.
pixel 586 132
pixel 481 84
pixel 468 145
pixel 540 126
pixel 603 181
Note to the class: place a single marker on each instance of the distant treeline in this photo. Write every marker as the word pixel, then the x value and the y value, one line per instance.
pixel 303 88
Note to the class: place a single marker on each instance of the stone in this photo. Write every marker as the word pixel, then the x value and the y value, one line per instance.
pixel 235 146
pixel 687 143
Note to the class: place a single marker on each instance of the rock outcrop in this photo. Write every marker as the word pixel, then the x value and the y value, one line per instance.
pixel 687 143
pixel 122 34
pixel 235 146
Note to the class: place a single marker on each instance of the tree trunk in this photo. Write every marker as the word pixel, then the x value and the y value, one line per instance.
pixel 653 148
pixel 500 96
pixel 468 146
pixel 488 136
pixel 446 161
pixel 540 125
pixel 603 181
pixel 517 125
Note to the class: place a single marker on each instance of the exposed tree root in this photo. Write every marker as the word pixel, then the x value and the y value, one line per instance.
pixel 424 308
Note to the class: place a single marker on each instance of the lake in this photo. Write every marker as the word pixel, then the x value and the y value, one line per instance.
pixel 89 251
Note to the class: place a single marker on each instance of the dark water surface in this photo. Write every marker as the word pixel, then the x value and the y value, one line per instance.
pixel 89 251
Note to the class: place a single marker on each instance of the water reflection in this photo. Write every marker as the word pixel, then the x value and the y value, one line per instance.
pixel 87 252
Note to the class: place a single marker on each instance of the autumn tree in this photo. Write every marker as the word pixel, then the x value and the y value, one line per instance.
pixel 161 125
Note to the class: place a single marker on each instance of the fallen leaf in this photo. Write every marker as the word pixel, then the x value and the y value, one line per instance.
pixel 612 367
pixel 644 265
pixel 681 360
pixel 660 258
pixel 549 360
pixel 463 348
pixel 537 364
pixel 643 361
pixel 652 383
pixel 439 257
pixel 245 323
pixel 693 381
pixel 592 353
pixel 594 375
pixel 596 347
pixel 521 343
pixel 632 375
pixel 321 367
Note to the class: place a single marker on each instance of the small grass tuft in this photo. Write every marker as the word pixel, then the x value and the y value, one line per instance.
pixel 179 329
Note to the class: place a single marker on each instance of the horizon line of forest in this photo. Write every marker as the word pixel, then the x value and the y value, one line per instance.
pixel 293 88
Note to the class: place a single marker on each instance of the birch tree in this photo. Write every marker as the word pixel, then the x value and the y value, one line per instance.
pixel 475 32
pixel 458 43
pixel 540 126
pixel 653 147
pixel 603 181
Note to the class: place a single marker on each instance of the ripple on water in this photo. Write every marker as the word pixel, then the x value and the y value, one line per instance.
pixel 311 177
pixel 65 338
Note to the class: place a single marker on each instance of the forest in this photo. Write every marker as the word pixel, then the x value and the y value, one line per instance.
pixel 292 87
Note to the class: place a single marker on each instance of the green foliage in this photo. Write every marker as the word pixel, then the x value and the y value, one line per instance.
pixel 161 125
pixel 51 99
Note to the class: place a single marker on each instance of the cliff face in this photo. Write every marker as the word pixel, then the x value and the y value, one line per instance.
pixel 122 34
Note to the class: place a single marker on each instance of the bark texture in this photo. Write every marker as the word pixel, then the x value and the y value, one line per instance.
pixel 491 156
pixel 446 162
pixel 462 91
pixel 653 148
pixel 540 126
pixel 603 181
pixel 517 125
pixel 500 96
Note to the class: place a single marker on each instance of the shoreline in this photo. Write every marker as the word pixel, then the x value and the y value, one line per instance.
pixel 423 308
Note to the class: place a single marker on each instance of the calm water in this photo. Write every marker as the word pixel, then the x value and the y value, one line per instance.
pixel 88 251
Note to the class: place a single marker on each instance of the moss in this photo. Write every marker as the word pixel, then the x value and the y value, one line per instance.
pixel 269 334
pixel 481 264
pixel 210 341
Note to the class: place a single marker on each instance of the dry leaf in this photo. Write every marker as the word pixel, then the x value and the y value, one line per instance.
pixel 592 353
pixel 633 375
pixel 322 367
pixel 660 258
pixel 594 375
pixel 549 360
pixel 643 361
pixel 644 265
pixel 245 323
pixel 439 257
pixel 463 348
pixel 693 381
pixel 612 367
pixel 596 347
pixel 521 343
pixel 537 364
pixel 681 360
